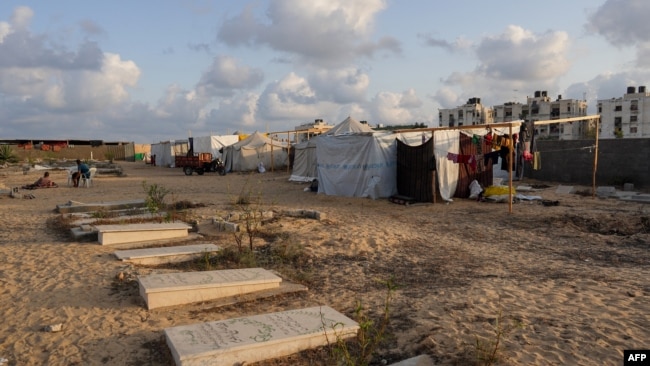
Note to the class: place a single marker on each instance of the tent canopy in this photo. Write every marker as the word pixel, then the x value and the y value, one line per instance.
pixel 349 126
pixel 246 154
pixel 213 144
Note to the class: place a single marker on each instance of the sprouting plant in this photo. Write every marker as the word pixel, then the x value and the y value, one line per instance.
pixel 371 333
pixel 251 210
pixel 490 351
pixel 155 199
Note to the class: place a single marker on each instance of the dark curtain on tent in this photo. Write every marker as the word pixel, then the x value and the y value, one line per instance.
pixel 415 169
pixel 466 173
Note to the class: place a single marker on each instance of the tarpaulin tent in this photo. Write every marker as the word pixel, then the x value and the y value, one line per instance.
pixel 166 150
pixel 305 161
pixel 359 165
pixel 348 126
pixel 245 155
pixel 212 144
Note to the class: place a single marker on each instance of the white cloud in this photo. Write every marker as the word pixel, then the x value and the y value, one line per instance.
pixel 508 62
pixel 226 75
pixel 643 55
pixel 446 97
pixel 325 32
pixel 348 85
pixel 233 114
pixel 387 108
pixel 410 99
pixel 459 44
pixel 518 54
pixel 21 19
pixel 622 22
pixel 21 49
pixel 605 86
pixel 288 98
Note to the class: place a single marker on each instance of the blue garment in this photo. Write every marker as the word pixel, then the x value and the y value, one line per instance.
pixel 84 170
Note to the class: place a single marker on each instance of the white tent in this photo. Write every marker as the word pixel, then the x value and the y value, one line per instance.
pixel 213 144
pixel 360 165
pixel 166 150
pixel 348 126
pixel 245 155
pixel 352 160
pixel 304 160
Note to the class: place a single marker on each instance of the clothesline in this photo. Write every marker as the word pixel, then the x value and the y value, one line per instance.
pixel 573 149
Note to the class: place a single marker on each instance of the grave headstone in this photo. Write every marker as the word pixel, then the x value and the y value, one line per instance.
pixel 259 337
pixel 175 254
pixel 564 189
pixel 133 233
pixel 605 191
pixel 422 360
pixel 168 289
pixel 73 206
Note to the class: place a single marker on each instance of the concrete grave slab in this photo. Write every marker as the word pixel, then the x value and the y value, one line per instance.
pixel 169 289
pixel 73 206
pixel 175 254
pixel 565 189
pixel 641 198
pixel 423 360
pixel 132 233
pixel 605 191
pixel 259 337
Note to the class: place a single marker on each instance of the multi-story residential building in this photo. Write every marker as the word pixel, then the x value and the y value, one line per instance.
pixel 626 117
pixel 542 108
pixel 510 111
pixel 470 113
pixel 308 130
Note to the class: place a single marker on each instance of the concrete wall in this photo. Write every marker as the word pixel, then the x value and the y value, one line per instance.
pixel 571 161
pixel 82 152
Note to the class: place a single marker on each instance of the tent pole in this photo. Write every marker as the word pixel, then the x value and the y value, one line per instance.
pixel 593 178
pixel 272 155
pixel 510 157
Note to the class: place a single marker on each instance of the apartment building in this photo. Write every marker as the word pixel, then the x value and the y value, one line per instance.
pixel 540 107
pixel 510 111
pixel 470 113
pixel 626 117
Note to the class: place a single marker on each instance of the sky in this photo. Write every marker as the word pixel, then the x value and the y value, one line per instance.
pixel 155 70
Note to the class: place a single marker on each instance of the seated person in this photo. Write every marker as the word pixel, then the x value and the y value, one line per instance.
pixel 42 182
pixel 82 169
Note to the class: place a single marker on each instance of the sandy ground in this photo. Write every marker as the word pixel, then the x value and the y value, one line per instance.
pixel 572 277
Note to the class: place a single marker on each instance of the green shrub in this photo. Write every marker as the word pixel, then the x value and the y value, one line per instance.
pixel 7 154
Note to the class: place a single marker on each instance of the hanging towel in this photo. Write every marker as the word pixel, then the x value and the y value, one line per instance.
pixel 537 161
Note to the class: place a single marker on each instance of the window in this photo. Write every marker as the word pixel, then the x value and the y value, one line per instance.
pixel 555 112
pixel 568 108
pixel 632 129
pixel 600 108
pixel 618 108
pixel 618 121
pixel 633 118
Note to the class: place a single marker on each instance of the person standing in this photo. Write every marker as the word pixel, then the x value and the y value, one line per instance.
pixel 82 169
